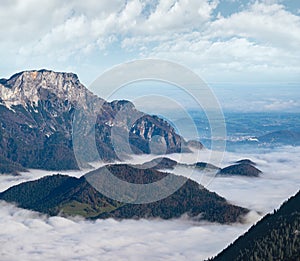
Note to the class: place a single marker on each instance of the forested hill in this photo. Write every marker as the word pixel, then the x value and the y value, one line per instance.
pixel 69 196
pixel 275 237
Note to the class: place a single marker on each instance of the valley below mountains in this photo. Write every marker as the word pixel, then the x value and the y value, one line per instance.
pixel 38 112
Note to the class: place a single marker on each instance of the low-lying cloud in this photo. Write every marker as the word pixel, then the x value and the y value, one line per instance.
pixel 28 235
pixel 280 179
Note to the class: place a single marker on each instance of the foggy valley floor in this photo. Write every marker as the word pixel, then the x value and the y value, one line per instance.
pixel 33 236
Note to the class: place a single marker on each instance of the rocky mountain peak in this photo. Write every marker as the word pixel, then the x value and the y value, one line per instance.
pixel 122 104
pixel 29 87
pixel 37 112
pixel 35 76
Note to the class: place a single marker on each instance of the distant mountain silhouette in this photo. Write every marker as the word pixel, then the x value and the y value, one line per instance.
pixel 286 137
pixel 164 163
pixel 159 163
pixel 245 161
pixel 241 169
pixel 205 165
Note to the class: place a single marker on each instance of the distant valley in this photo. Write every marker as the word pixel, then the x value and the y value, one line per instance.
pixel 37 110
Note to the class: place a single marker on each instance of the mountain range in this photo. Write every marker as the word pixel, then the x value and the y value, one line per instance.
pixel 37 109
pixel 244 167
pixel 284 137
pixel 37 114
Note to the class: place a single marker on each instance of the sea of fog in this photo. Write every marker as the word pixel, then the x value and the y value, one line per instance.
pixel 26 235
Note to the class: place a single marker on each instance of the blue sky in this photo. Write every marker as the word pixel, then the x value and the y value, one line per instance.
pixel 236 46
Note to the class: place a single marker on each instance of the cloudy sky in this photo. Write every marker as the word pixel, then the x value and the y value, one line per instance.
pixel 233 44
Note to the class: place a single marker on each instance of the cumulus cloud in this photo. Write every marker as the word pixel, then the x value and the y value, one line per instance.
pixel 251 44
pixel 264 22
pixel 73 26
pixel 261 37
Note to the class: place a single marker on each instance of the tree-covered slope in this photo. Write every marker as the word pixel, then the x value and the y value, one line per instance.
pixel 242 169
pixel 9 167
pixel 66 195
pixel 275 237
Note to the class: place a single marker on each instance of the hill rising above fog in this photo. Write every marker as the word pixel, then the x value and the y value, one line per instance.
pixel 69 196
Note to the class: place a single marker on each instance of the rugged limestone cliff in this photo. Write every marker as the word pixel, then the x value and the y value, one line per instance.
pixel 37 109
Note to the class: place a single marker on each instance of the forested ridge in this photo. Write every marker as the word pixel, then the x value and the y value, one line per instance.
pixel 275 237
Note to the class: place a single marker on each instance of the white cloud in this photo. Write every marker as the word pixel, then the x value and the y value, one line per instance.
pixel 74 24
pixel 182 15
pixel 266 23
pixel 278 182
pixel 259 41
pixel 31 236
pixel 282 105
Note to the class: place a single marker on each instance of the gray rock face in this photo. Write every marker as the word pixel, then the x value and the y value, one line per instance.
pixel 36 113
pixel 31 87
